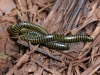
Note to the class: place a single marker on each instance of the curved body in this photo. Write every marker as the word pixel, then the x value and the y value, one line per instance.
pixel 40 39
pixel 52 44
pixel 37 35
pixel 30 32
pixel 19 26
pixel 56 45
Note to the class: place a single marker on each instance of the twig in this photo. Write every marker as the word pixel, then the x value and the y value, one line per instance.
pixel 37 50
pixel 69 69
pixel 74 31
pixel 49 55
pixel 22 60
pixel 44 8
pixel 93 68
pixel 77 62
pixel 52 13
pixel 44 67
pixel 80 3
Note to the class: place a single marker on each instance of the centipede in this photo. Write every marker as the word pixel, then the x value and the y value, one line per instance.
pixel 37 35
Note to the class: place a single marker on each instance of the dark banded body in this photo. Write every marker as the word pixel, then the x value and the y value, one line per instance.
pixel 52 44
pixel 77 38
pixel 67 39
pixel 55 37
pixel 41 39
pixel 16 29
pixel 37 35
pixel 56 45
pixel 30 32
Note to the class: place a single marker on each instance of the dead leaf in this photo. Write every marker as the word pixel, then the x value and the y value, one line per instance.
pixel 6 6
pixel 11 48
pixel 8 18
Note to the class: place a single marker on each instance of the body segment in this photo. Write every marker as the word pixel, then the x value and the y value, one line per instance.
pixel 37 35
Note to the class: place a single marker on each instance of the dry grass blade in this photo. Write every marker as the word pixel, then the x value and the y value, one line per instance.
pixel 22 60
pixel 93 68
pixel 77 70
pixel 74 31
pixel 52 13
pixel 69 69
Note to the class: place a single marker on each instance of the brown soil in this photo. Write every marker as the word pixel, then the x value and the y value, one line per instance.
pixel 64 17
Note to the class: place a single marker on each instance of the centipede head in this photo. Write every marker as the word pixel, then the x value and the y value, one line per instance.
pixel 90 39
pixel 9 29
